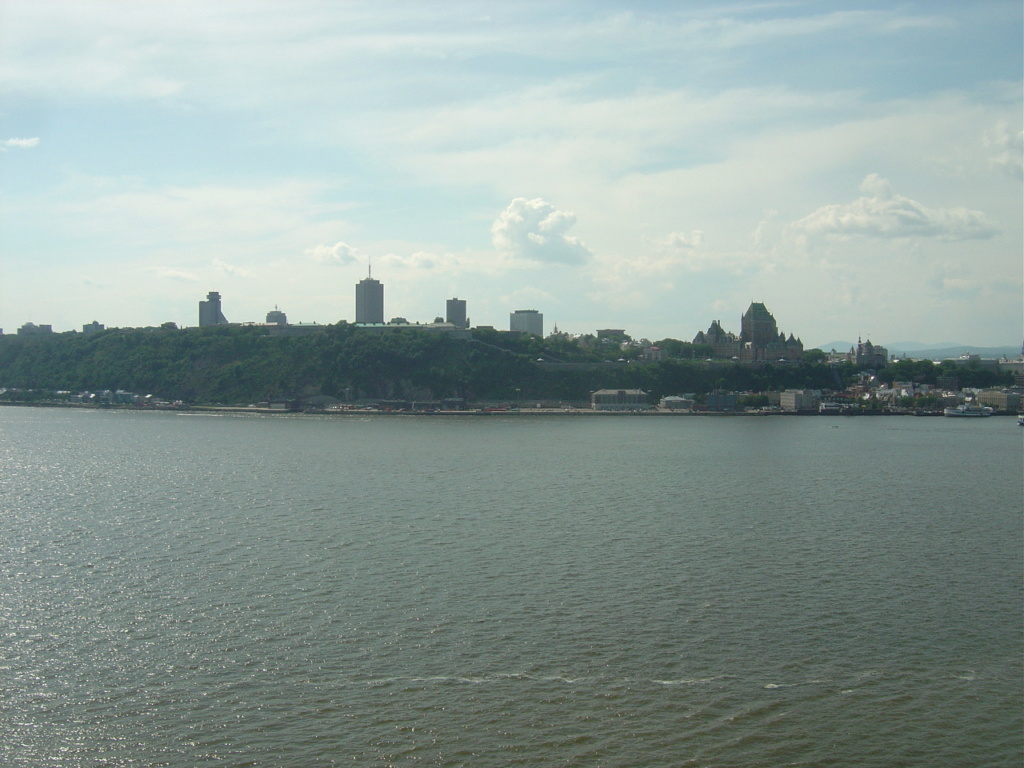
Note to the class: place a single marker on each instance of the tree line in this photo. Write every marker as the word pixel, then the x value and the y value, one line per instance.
pixel 244 364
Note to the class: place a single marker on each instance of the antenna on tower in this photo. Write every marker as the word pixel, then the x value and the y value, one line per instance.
pixel 369 266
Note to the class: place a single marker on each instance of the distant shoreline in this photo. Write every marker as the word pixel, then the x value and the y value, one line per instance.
pixel 478 412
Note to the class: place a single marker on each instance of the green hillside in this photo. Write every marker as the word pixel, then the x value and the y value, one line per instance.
pixel 248 364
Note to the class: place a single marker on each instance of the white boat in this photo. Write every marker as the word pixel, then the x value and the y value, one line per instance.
pixel 968 410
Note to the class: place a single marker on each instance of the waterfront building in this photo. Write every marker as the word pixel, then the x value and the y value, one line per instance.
pixel 1002 399
pixel 619 400
pixel 455 313
pixel 210 312
pixel 721 401
pixel 527 321
pixel 800 399
pixel 369 300
pixel 676 403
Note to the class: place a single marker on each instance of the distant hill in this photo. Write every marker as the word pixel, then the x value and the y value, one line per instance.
pixel 838 346
pixel 939 351
pixel 915 346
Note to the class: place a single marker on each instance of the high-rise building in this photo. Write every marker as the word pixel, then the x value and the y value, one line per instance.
pixel 276 317
pixel 369 301
pixel 209 311
pixel 455 313
pixel 526 321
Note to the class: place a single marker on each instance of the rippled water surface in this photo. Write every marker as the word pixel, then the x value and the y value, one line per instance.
pixel 192 590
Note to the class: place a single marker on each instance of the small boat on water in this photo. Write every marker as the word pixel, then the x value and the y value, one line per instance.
pixel 1020 419
pixel 968 410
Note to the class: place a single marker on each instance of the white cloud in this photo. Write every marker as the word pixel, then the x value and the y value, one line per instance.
pixel 882 213
pixel 176 274
pixel 535 230
pixel 426 121
pixel 529 296
pixel 721 306
pixel 681 251
pixel 429 261
pixel 18 144
pixel 195 227
pixel 338 254
pixel 1006 150
pixel 681 240
pixel 231 269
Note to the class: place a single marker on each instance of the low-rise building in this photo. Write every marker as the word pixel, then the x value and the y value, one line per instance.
pixel 443 327
pixel 620 400
pixel 800 399
pixel 675 403
pixel 972 360
pixel 1002 399
pixel 721 401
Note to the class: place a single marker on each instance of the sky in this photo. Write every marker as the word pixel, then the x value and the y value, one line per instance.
pixel 650 166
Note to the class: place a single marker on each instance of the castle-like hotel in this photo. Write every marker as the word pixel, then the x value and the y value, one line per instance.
pixel 759 339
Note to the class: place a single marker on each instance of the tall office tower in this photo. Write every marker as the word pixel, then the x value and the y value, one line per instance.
pixel 527 321
pixel 455 313
pixel 369 301
pixel 209 311
pixel 276 317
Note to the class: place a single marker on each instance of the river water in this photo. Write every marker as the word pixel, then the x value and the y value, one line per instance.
pixel 242 590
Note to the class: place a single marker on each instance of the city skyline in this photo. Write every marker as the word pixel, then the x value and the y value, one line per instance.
pixel 757 325
pixel 857 169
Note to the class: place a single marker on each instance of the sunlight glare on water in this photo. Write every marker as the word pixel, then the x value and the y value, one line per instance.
pixel 186 590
